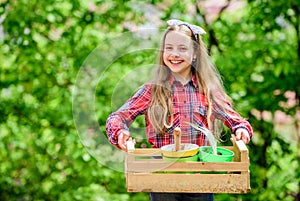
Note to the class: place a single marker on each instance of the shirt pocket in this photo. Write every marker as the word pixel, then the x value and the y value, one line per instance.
pixel 199 115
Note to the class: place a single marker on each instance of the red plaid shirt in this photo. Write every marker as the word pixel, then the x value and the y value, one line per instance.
pixel 189 105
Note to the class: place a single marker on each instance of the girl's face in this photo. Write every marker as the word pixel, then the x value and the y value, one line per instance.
pixel 178 54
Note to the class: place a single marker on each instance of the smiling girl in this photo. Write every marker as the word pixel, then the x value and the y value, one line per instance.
pixel 187 88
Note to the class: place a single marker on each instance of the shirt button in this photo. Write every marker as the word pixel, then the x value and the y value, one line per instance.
pixel 184 101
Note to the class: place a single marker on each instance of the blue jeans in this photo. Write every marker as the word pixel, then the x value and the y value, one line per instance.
pixel 181 197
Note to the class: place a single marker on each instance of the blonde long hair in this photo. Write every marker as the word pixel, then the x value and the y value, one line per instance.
pixel 208 78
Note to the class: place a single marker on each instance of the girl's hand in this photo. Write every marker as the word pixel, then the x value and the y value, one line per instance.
pixel 242 134
pixel 122 139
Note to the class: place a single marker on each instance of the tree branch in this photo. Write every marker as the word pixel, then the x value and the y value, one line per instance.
pixel 212 36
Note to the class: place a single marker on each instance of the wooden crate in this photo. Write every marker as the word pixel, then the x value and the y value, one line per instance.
pixel 145 173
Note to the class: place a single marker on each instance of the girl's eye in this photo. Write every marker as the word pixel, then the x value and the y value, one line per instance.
pixel 168 48
pixel 183 49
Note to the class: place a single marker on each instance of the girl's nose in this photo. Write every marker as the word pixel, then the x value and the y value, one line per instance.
pixel 175 54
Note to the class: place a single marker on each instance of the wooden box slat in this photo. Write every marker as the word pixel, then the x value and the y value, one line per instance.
pixel 159 165
pixel 189 183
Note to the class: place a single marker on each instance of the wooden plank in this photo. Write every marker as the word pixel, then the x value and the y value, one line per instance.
pixel 146 152
pixel 152 166
pixel 243 150
pixel 190 183
pixel 241 145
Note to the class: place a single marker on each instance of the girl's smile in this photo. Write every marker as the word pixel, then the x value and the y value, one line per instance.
pixel 176 61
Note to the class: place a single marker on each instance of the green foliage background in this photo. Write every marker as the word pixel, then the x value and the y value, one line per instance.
pixel 44 44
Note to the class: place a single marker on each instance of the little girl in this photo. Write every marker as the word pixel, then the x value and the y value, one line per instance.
pixel 187 88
